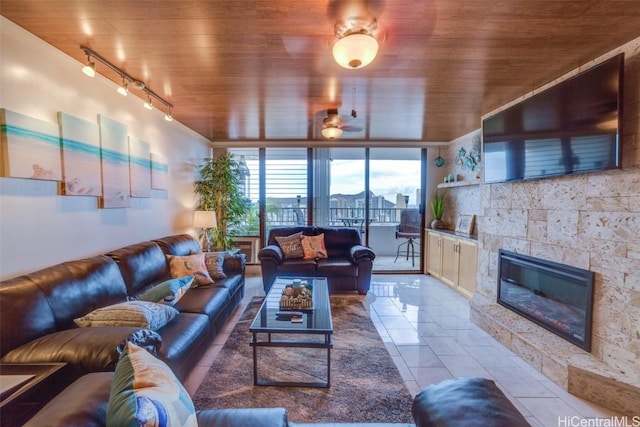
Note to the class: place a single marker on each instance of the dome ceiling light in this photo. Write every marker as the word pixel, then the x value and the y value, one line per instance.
pixel 331 125
pixel 357 45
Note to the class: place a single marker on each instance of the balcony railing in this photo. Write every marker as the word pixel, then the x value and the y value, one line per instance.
pixel 337 216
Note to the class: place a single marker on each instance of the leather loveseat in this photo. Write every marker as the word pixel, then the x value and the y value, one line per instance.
pixel 37 310
pixel 468 402
pixel 347 267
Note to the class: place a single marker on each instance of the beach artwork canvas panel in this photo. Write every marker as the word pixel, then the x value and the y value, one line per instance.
pixel 29 148
pixel 114 156
pixel 139 167
pixel 80 141
pixel 159 172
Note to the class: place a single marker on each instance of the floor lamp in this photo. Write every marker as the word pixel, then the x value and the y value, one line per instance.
pixel 205 220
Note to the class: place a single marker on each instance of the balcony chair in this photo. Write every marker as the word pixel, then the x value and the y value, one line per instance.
pixel 409 228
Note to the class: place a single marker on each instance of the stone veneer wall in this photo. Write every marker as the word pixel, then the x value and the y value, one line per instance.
pixel 591 221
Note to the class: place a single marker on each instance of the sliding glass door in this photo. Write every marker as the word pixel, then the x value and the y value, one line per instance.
pixel 395 208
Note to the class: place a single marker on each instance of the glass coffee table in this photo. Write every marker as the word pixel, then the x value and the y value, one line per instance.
pixel 315 331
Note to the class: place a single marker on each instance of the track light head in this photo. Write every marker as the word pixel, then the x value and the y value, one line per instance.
pixel 147 104
pixel 123 89
pixel 89 69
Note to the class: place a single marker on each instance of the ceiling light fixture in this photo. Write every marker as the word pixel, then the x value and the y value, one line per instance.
pixel 147 103
pixel 357 45
pixel 331 131
pixel 124 88
pixel 128 81
pixel 90 68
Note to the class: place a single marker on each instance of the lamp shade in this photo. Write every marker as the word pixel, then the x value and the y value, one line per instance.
pixel 355 50
pixel 331 132
pixel 205 219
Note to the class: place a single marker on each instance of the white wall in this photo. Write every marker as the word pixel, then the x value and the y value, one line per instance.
pixel 38 227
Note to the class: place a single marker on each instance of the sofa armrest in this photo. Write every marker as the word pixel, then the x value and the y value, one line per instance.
pixel 82 404
pixel 469 402
pixel 235 263
pixel 271 253
pixel 254 417
pixel 360 253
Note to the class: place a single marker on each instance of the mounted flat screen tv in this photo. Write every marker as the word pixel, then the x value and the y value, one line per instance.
pixel 572 127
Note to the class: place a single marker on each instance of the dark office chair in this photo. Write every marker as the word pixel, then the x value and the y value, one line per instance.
pixel 409 228
pixel 300 219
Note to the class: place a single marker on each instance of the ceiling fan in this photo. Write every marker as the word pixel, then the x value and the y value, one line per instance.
pixel 334 124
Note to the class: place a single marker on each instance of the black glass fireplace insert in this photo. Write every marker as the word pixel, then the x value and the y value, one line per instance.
pixel 557 297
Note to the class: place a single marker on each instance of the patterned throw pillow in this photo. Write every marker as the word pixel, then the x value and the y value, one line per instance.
pixel 214 262
pixel 141 314
pixel 190 265
pixel 313 247
pixel 291 246
pixel 145 392
pixel 168 292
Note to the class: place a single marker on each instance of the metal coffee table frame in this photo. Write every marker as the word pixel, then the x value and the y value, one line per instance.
pixel 316 321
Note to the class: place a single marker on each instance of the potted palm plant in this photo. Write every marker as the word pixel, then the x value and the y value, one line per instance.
pixel 219 190
pixel 437 208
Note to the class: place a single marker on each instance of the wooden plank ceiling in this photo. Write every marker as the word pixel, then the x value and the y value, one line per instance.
pixel 244 70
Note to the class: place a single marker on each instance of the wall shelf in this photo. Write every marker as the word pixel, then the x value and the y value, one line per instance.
pixel 458 184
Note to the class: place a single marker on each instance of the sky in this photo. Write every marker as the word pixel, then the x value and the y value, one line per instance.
pixel 388 178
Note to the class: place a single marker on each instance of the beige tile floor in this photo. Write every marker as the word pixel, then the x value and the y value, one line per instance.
pixel 426 328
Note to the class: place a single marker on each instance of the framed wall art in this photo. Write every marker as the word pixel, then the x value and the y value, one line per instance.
pixel 81 167
pixel 139 168
pixel 114 157
pixel 29 148
pixel 464 225
pixel 159 172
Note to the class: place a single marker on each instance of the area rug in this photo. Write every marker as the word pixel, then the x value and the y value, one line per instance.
pixel 365 383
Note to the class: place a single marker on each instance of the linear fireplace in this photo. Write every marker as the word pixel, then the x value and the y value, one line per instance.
pixel 555 296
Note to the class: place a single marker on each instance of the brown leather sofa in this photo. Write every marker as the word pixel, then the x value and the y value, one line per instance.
pixel 347 268
pixel 37 309
pixel 468 402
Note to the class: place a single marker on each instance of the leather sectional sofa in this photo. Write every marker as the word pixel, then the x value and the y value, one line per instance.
pixel 347 267
pixel 37 310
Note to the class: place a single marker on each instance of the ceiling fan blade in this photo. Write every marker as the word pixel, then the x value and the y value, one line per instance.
pixel 352 128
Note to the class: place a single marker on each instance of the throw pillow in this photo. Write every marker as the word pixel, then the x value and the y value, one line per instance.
pixel 190 265
pixel 145 392
pixel 313 247
pixel 214 262
pixel 291 246
pixel 141 314
pixel 168 292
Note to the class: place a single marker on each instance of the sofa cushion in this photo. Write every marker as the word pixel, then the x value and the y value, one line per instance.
pixel 332 267
pixel 144 391
pixel 208 300
pixel 190 265
pixel 313 247
pixel 84 349
pixel 291 246
pixel 142 265
pixel 340 240
pixel 181 341
pixel 48 300
pixel 179 244
pixel 214 261
pixel 141 314
pixel 298 267
pixel 168 292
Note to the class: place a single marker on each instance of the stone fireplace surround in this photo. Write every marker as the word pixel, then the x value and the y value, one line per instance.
pixel 590 221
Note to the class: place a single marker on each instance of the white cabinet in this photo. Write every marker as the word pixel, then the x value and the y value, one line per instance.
pixel 453 260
